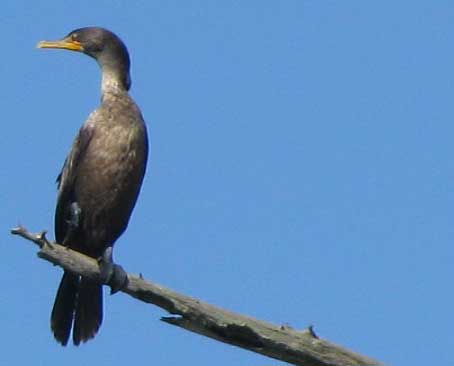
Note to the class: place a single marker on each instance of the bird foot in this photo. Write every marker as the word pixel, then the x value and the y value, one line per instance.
pixel 75 215
pixel 112 274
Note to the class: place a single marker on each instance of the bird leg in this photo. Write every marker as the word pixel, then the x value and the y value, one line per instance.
pixel 74 216
pixel 112 274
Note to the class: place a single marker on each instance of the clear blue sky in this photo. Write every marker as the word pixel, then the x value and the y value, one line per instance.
pixel 301 172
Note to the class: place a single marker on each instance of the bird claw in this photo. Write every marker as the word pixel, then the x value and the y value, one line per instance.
pixel 119 279
pixel 112 274
pixel 42 237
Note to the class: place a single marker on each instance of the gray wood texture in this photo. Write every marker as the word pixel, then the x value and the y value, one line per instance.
pixel 303 348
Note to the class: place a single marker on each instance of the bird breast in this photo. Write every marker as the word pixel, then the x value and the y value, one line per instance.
pixel 111 172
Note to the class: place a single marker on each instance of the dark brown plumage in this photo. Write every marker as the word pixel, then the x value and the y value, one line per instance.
pixel 100 180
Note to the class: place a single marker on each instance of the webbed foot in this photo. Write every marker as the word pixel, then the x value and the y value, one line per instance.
pixel 75 215
pixel 112 274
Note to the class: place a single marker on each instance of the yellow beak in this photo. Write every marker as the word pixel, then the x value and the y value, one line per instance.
pixel 66 44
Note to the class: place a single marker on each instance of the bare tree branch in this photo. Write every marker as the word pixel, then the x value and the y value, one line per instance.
pixel 302 348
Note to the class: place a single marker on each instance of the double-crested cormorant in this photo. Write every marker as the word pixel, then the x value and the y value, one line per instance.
pixel 99 183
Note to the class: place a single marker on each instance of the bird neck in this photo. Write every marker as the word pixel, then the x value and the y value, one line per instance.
pixel 114 82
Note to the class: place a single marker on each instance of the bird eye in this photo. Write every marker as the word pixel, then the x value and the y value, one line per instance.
pixel 74 37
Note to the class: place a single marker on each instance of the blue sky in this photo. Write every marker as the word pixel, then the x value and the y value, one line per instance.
pixel 301 171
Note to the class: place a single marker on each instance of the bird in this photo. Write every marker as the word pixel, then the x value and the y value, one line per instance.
pixel 99 183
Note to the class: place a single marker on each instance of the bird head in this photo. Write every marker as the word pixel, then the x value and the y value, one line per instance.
pixel 99 43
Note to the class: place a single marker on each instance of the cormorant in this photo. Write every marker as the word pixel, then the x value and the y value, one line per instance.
pixel 99 183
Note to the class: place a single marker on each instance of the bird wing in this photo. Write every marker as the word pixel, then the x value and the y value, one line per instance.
pixel 66 181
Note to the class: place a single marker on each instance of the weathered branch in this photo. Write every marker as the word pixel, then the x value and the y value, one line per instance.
pixel 281 342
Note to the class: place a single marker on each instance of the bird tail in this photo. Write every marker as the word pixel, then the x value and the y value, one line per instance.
pixel 78 300
pixel 88 312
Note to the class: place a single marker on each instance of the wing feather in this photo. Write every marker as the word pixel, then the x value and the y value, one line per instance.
pixel 66 181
